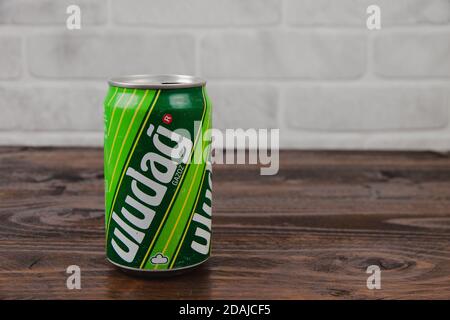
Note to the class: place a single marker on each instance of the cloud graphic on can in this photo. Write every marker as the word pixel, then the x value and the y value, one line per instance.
pixel 159 259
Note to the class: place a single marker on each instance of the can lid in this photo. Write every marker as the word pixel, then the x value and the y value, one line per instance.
pixel 161 81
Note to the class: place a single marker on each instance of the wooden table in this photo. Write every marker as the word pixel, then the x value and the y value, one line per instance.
pixel 309 232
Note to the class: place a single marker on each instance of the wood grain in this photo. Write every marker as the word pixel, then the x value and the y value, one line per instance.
pixel 307 233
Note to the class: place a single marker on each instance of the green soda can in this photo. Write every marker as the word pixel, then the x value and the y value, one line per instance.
pixel 157 153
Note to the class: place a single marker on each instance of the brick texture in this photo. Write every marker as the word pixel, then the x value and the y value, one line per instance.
pixel 105 55
pixel 352 12
pixel 361 109
pixel 413 55
pixel 308 67
pixel 50 12
pixel 197 12
pixel 246 106
pixel 11 54
pixel 283 55
pixel 60 108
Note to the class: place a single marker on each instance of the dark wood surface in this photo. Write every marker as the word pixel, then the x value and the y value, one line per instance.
pixel 307 233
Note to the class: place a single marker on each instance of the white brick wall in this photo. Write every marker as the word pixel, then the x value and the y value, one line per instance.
pixel 413 55
pixel 204 13
pixel 360 108
pixel 11 57
pixel 308 67
pixel 283 55
pixel 92 55
pixel 50 12
pixel 244 106
pixel 348 12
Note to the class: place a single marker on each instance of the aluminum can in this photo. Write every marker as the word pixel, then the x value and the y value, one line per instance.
pixel 157 166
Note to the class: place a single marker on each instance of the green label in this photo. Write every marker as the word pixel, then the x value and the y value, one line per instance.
pixel 157 177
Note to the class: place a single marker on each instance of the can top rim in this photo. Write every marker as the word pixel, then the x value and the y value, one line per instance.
pixel 159 81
